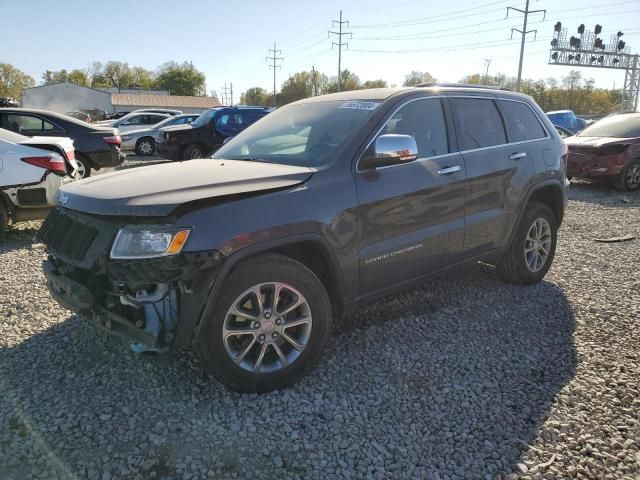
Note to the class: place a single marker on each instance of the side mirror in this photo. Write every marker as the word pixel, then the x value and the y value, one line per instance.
pixel 390 149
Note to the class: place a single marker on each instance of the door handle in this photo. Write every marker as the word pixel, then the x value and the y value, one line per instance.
pixel 449 170
pixel 517 156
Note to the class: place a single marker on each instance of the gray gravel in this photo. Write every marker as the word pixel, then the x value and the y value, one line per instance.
pixel 464 377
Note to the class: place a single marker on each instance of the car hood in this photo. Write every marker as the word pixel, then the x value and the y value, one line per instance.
pixel 158 190
pixel 596 142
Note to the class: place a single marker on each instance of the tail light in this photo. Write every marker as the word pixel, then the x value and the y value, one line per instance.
pixel 54 163
pixel 113 140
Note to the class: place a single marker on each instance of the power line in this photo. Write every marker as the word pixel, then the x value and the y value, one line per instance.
pixel 274 59
pixel 340 43
pixel 523 34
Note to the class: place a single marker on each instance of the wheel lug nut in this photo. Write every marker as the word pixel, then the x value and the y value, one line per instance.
pixel 274 335
pixel 261 338
pixel 278 321
pixel 267 315
pixel 256 324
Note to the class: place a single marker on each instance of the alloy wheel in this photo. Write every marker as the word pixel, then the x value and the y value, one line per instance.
pixel 146 147
pixel 267 327
pixel 632 176
pixel 537 245
pixel 81 171
pixel 195 153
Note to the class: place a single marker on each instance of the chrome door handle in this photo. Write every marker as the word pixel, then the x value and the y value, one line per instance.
pixel 449 170
pixel 517 156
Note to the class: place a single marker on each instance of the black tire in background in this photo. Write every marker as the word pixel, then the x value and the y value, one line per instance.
pixel 256 270
pixel 141 146
pixel 629 179
pixel 84 166
pixel 193 151
pixel 4 219
pixel 513 266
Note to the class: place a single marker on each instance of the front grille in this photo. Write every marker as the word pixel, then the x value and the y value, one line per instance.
pixel 32 196
pixel 65 235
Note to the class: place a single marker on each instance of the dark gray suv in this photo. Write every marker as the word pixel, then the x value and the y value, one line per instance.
pixel 321 206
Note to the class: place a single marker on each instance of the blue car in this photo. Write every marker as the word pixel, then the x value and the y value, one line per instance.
pixel 567 119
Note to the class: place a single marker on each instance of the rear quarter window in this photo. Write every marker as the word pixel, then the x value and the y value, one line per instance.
pixel 478 123
pixel 522 123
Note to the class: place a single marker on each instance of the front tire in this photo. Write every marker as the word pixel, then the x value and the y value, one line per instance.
pixel 629 179
pixel 4 220
pixel 84 167
pixel 531 251
pixel 145 146
pixel 268 327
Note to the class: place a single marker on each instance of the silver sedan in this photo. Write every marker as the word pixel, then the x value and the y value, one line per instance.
pixel 143 140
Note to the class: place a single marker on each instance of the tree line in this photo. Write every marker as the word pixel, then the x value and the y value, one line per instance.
pixel 178 78
pixel 570 92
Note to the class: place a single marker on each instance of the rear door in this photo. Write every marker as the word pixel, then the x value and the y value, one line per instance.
pixel 497 172
pixel 411 216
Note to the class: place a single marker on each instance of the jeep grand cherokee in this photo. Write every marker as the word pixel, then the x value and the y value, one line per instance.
pixel 321 206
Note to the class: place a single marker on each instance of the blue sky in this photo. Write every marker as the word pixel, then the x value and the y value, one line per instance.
pixel 229 41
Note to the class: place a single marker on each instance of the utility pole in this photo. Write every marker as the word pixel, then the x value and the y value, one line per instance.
pixel 340 43
pixel 313 80
pixel 231 102
pixel 227 94
pixel 274 64
pixel 524 32
pixel 487 62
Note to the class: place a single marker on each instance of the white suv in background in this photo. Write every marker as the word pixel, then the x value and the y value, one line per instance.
pixel 32 170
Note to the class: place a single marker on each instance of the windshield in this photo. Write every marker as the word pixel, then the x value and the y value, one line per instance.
pixel 618 126
pixel 204 118
pixel 306 134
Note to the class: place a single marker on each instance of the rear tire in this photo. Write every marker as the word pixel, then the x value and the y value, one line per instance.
pixel 192 152
pixel 262 357
pixel 532 248
pixel 145 146
pixel 84 167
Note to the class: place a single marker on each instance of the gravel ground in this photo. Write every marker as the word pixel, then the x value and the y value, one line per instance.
pixel 464 377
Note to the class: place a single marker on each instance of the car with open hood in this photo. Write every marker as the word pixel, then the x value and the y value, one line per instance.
pixel 317 208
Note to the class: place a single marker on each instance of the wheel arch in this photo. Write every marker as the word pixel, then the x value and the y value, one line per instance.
pixel 312 250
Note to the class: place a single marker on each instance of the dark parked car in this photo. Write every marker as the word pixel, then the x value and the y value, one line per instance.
pixel 96 147
pixel 610 150
pixel 323 205
pixel 208 133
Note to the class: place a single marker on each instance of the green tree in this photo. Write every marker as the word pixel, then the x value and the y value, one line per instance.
pixel 415 78
pixel 13 81
pixel 180 79
pixel 76 76
pixel 296 87
pixel 255 96
pixel 375 84
pixel 349 81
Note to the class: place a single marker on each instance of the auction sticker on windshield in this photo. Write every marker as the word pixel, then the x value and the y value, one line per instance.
pixel 359 105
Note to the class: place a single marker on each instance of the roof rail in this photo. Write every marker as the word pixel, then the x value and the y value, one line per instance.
pixel 463 85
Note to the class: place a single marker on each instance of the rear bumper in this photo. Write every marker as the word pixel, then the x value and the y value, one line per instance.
pixel 107 158
pixel 39 195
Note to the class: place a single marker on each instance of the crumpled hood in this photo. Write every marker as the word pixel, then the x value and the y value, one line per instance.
pixel 176 128
pixel 594 141
pixel 158 190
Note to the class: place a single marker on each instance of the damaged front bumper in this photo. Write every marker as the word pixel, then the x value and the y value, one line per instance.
pixel 153 303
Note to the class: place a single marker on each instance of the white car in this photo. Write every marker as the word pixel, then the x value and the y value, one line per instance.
pixel 31 177
pixel 134 121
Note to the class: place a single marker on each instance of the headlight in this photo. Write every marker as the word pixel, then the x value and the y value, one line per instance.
pixel 148 241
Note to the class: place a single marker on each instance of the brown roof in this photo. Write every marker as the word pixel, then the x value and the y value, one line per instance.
pixel 122 99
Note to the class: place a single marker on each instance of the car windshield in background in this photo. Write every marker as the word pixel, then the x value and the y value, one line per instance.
pixel 618 126
pixel 204 118
pixel 306 134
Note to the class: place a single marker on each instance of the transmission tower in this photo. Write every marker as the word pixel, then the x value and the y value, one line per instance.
pixel 274 59
pixel 524 33
pixel 227 94
pixel 339 34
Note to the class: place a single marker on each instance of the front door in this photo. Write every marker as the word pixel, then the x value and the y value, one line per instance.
pixel 411 216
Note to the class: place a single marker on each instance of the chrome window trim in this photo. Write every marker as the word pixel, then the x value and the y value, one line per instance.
pixel 411 100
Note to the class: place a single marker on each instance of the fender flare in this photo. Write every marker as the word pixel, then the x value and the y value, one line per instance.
pixel 243 253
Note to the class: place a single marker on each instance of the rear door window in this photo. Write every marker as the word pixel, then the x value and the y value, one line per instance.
pixel 478 123
pixel 522 123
